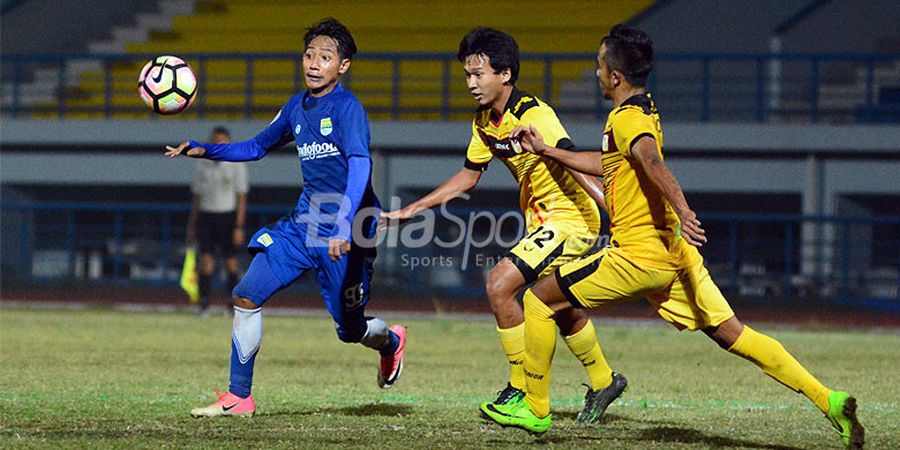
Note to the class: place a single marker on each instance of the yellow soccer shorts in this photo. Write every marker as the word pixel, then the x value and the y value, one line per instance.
pixel 548 247
pixel 687 298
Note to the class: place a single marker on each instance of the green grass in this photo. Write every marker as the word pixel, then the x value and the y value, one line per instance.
pixel 79 379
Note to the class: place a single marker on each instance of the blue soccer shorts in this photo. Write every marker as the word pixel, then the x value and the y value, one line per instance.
pixel 282 257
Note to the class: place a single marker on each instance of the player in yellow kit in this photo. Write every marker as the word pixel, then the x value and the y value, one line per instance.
pixel 653 252
pixel 562 219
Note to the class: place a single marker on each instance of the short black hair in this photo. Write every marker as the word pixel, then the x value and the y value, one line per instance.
pixel 629 51
pixel 330 27
pixel 221 130
pixel 500 47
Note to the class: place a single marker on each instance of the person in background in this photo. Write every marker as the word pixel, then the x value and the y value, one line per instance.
pixel 217 218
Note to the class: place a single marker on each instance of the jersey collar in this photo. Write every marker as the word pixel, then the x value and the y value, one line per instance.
pixel 312 101
pixel 514 96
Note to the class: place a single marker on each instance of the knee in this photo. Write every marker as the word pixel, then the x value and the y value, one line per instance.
pixel 726 333
pixel 242 302
pixel 498 287
pixel 571 321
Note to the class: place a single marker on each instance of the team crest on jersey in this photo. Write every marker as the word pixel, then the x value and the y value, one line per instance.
pixel 325 126
pixel 265 240
pixel 297 129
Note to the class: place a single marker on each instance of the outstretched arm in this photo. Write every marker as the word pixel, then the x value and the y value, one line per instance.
pixel 586 162
pixel 647 156
pixel 459 183
pixel 277 134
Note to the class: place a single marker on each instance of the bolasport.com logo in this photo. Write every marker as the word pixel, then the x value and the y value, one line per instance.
pixel 478 237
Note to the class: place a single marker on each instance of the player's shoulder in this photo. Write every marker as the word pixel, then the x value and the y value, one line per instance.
pixel 638 103
pixel 347 101
pixel 521 102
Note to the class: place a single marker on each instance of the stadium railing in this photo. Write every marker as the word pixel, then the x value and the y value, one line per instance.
pixel 693 87
pixel 844 259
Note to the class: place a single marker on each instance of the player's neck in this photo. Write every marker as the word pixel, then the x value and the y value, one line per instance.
pixel 325 90
pixel 626 92
pixel 499 105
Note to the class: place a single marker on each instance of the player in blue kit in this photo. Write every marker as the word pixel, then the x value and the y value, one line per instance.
pixel 332 228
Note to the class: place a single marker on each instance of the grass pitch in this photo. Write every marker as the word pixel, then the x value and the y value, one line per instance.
pixel 111 379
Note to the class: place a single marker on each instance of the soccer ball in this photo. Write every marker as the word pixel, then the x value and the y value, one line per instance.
pixel 167 84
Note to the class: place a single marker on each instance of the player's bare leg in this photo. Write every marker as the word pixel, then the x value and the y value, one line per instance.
pixel 770 356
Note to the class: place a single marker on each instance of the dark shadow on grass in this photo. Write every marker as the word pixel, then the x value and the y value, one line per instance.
pixel 376 409
pixel 659 432
pixel 689 436
pixel 606 419
pixel 371 409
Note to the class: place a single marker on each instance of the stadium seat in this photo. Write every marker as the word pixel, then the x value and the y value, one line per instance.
pixel 393 26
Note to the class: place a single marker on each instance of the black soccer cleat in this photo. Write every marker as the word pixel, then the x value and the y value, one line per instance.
pixel 596 402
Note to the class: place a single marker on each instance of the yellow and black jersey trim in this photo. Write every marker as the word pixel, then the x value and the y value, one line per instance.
pixel 565 282
pixel 642 101
pixel 638 137
pixel 519 102
pixel 478 167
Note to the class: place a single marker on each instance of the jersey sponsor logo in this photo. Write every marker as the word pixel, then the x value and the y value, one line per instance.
pixel 501 148
pixel 265 240
pixel 308 152
pixel 297 129
pixel 325 126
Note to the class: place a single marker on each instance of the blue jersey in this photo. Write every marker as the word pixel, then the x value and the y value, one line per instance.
pixel 329 131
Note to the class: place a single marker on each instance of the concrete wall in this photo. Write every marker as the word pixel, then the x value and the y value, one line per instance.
pixel 715 26
pixel 818 161
pixel 847 26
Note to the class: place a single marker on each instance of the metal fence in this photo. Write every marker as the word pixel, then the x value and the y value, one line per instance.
pixel 851 259
pixel 691 87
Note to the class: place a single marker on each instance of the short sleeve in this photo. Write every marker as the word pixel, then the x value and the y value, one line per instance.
pixel 629 125
pixel 478 155
pixel 241 180
pixel 353 128
pixel 547 123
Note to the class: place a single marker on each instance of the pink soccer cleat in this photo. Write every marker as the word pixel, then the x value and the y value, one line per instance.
pixel 228 404
pixel 392 365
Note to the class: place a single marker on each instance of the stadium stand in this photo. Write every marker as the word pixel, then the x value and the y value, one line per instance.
pixel 231 26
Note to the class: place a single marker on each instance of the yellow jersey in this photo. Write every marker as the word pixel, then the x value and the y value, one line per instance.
pixel 642 222
pixel 547 192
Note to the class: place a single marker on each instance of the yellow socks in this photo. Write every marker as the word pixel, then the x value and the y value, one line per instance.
pixel 585 347
pixel 775 361
pixel 540 342
pixel 513 342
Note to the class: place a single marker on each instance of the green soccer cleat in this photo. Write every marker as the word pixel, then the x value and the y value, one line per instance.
pixel 508 395
pixel 517 414
pixel 596 402
pixel 842 415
